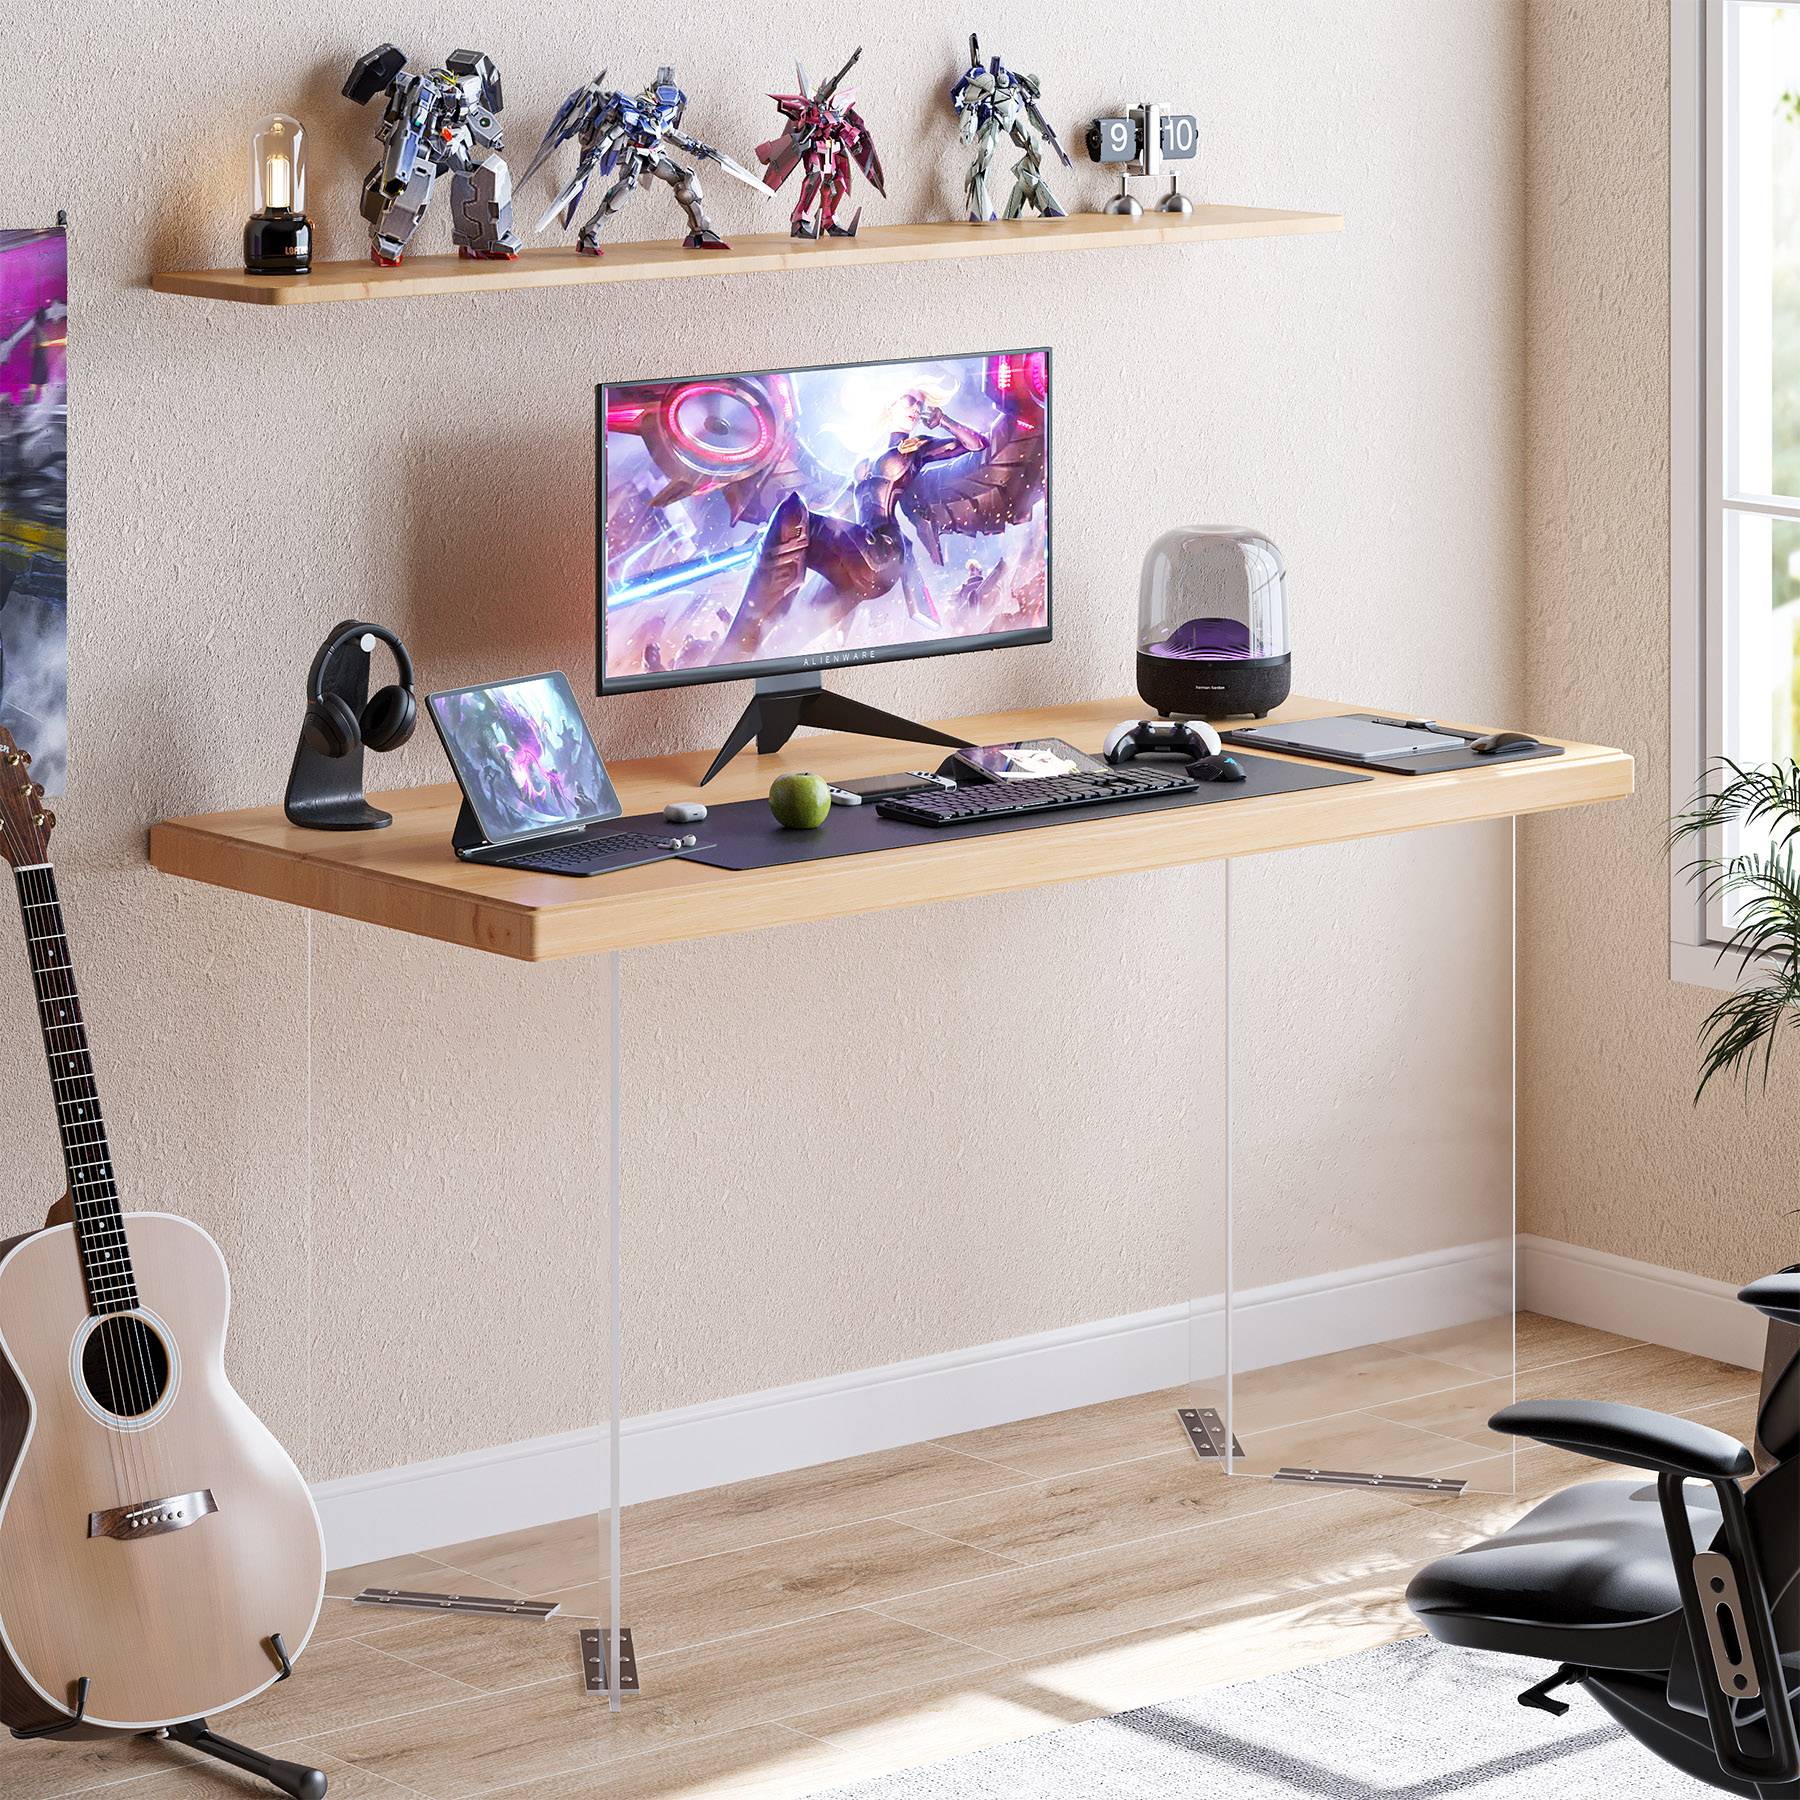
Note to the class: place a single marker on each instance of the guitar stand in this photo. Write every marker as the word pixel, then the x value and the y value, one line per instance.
pixel 297 1782
pixel 292 1779
pixel 28 1733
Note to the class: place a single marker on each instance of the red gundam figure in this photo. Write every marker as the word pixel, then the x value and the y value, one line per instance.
pixel 825 135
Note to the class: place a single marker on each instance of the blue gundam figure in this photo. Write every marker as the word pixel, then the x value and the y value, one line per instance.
pixel 445 121
pixel 630 135
pixel 994 104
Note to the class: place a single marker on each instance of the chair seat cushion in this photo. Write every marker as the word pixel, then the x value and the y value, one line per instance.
pixel 1583 1577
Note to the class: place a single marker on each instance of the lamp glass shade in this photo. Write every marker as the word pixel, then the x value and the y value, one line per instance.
pixel 278 166
pixel 1213 624
pixel 1213 591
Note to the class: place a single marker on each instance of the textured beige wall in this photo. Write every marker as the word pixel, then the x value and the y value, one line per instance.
pixel 1614 1154
pixel 419 1252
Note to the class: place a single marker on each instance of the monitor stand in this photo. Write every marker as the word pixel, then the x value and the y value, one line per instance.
pixel 783 703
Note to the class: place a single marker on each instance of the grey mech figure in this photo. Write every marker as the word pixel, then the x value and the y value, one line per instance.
pixel 443 122
pixel 995 104
pixel 630 136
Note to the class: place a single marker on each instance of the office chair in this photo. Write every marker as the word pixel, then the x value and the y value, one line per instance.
pixel 1677 1607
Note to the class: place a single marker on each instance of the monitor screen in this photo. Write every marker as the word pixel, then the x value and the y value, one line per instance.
pixel 808 518
pixel 522 753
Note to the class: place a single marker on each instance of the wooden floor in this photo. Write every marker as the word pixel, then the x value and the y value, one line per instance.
pixel 833 1624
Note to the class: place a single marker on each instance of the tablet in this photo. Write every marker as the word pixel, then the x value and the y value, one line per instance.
pixel 523 757
pixel 1352 737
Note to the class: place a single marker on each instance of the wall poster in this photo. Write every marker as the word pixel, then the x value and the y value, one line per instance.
pixel 34 417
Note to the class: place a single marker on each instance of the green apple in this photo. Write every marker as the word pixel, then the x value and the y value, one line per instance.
pixel 800 802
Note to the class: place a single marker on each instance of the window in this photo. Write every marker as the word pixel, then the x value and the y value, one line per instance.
pixel 1735 408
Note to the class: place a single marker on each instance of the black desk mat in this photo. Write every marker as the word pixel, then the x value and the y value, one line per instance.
pixel 1431 762
pixel 743 834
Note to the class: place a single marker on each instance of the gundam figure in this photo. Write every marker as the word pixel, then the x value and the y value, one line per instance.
pixel 441 122
pixel 631 133
pixel 993 104
pixel 827 138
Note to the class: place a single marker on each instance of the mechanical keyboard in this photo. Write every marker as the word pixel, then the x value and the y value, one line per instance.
pixel 1042 793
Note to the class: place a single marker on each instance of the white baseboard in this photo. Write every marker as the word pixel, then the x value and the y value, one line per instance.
pixel 516 1486
pixel 1640 1300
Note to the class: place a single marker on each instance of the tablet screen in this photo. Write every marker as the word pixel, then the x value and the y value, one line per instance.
pixel 523 756
pixel 1031 758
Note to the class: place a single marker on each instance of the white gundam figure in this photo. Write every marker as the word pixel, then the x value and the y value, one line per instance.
pixel 445 121
pixel 995 104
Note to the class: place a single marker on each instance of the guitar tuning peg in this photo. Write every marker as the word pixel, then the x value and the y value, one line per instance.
pixel 25 758
pixel 42 819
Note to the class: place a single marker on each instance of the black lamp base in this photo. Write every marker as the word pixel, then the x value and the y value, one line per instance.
pixel 278 242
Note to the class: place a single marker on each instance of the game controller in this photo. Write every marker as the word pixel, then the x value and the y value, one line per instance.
pixel 1189 739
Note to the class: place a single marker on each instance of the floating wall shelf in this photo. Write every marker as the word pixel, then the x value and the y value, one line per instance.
pixel 756 254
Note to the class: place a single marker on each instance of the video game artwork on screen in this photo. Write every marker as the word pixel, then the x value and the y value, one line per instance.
pixel 752 519
pixel 34 418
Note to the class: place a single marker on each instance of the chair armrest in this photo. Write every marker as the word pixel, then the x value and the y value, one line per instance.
pixel 1731 1628
pixel 1632 1435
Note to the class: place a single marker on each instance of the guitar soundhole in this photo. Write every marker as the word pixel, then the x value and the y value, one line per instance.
pixel 126 1366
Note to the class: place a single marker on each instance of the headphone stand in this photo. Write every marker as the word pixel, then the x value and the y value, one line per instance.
pixel 325 793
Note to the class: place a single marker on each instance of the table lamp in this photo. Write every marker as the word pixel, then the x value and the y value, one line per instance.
pixel 278 237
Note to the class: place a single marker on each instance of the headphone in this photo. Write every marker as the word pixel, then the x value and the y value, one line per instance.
pixel 331 727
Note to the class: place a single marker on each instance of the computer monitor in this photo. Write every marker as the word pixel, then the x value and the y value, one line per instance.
pixel 772 525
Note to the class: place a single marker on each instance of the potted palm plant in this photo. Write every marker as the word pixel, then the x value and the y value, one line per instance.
pixel 1738 1036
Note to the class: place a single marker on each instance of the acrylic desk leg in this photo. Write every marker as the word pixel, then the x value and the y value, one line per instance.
pixel 1230 1446
pixel 1207 1166
pixel 614 1662
pixel 1512 1123
pixel 1417 1303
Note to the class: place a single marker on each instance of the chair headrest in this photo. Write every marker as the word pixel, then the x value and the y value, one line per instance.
pixel 1777 1296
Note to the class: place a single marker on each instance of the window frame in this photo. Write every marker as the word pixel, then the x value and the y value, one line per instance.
pixel 1702 650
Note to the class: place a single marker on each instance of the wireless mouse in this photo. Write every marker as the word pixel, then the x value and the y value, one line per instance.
pixel 1218 768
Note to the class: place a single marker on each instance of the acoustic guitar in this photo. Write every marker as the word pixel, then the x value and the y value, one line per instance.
pixel 160 1556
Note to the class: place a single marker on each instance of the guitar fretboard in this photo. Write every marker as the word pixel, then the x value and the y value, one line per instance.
pixel 99 1222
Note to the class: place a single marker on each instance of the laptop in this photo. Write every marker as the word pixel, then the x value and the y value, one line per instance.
pixel 533 782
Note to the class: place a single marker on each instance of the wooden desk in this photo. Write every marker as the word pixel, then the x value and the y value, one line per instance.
pixel 406 877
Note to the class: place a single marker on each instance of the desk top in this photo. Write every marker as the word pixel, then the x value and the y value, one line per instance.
pixel 406 876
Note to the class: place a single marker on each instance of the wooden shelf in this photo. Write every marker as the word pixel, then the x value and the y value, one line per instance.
pixel 755 254
pixel 407 878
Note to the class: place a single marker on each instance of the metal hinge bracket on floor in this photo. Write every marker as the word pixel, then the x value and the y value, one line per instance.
pixel 593 1662
pixel 1206 1432
pixel 494 1607
pixel 1410 1484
